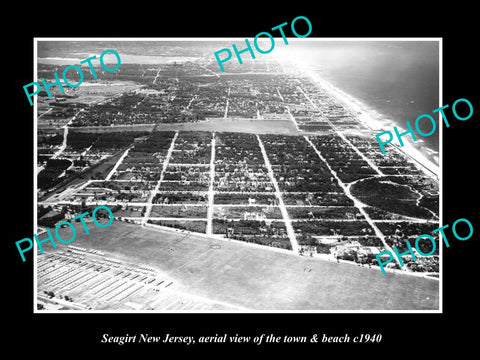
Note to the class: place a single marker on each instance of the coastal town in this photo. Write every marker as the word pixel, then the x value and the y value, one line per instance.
pixel 260 155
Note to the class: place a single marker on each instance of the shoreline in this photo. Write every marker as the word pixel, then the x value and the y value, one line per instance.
pixel 424 156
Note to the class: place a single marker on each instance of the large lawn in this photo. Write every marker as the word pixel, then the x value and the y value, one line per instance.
pixel 257 278
pixel 237 125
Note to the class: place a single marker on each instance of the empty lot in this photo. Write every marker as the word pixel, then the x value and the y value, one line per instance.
pixel 260 279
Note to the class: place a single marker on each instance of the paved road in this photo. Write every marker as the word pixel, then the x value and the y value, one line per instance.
pixel 283 209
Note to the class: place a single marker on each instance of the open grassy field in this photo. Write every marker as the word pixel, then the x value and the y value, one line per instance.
pixel 256 278
pixel 254 126
pixel 117 128
pixel 215 124
pixel 237 125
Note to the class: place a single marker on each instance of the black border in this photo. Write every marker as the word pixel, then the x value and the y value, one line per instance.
pixel 408 334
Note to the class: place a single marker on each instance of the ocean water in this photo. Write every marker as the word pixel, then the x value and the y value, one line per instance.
pixel 399 79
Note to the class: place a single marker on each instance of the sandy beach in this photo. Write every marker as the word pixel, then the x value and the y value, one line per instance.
pixel 426 158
